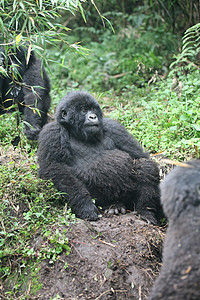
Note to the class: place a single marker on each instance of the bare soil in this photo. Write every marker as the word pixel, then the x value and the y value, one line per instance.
pixel 112 258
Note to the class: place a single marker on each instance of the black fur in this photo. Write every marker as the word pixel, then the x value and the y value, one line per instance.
pixel 180 274
pixel 91 157
pixel 18 89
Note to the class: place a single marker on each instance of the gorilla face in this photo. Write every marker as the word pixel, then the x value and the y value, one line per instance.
pixel 82 116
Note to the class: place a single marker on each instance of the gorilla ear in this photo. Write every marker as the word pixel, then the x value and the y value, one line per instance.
pixel 64 116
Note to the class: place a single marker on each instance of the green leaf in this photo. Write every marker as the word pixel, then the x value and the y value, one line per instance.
pixel 196 127
pixel 18 39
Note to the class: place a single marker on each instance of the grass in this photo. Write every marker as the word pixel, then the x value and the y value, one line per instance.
pixel 161 120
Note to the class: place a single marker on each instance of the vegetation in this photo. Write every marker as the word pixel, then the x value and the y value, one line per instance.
pixel 36 23
pixel 142 73
pixel 34 221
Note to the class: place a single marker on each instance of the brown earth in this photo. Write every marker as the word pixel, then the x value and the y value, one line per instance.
pixel 113 258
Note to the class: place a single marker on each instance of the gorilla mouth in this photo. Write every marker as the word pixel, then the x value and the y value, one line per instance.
pixel 92 125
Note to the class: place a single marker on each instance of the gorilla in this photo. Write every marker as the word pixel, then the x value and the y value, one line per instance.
pixel 26 85
pixel 94 161
pixel 180 274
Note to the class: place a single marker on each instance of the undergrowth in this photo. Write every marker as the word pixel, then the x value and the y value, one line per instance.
pixel 161 120
pixel 119 62
pixel 34 222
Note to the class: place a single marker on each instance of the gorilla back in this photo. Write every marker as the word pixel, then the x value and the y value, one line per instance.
pixel 29 88
pixel 90 157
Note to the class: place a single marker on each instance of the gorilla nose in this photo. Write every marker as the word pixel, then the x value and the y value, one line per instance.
pixel 92 117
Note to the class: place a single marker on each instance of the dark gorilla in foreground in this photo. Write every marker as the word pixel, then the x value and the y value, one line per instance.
pixel 29 88
pixel 90 157
pixel 180 274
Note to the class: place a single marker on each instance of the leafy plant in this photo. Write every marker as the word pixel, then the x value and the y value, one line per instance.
pixel 188 58
pixel 161 120
pixel 33 224
pixel 35 22
pixel 115 62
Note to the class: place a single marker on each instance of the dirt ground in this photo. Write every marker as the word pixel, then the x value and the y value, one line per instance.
pixel 112 258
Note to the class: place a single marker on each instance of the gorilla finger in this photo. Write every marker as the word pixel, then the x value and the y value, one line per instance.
pixel 116 212
pixel 122 210
pixel 111 211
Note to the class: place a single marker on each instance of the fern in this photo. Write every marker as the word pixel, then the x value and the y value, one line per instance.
pixel 186 60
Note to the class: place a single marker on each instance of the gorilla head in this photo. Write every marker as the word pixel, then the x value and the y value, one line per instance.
pixel 186 180
pixel 81 115
pixel 180 274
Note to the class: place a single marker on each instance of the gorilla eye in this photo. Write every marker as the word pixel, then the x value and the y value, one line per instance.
pixel 64 114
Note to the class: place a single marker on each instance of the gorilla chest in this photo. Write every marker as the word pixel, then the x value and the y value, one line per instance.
pixel 86 151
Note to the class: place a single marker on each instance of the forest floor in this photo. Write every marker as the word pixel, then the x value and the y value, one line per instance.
pixel 116 257
pixel 112 258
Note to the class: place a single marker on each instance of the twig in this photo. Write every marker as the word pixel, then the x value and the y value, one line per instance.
pixel 107 243
pixel 176 163
pixel 102 294
pixel 140 292
pixel 2 223
pixel 120 75
pixel 29 287
pixel 16 208
pixel 77 251
pixel 98 12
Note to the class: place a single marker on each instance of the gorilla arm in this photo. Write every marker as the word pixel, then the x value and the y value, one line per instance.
pixel 145 172
pixel 123 140
pixel 53 158
pixel 76 194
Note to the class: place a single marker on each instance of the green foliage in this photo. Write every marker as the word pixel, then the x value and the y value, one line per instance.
pixel 162 121
pixel 36 23
pixel 176 16
pixel 188 58
pixel 11 128
pixel 8 128
pixel 120 61
pixel 28 277
pixel 34 18
pixel 33 224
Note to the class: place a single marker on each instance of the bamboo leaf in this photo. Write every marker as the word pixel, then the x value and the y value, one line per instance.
pixel 28 54
pixel 18 39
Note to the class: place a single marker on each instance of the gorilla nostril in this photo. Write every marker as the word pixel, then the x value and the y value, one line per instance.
pixel 92 117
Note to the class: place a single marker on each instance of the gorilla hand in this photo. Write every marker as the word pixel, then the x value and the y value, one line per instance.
pixel 86 211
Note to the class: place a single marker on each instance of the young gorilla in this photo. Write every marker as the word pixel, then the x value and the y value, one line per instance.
pixel 30 90
pixel 180 274
pixel 90 157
